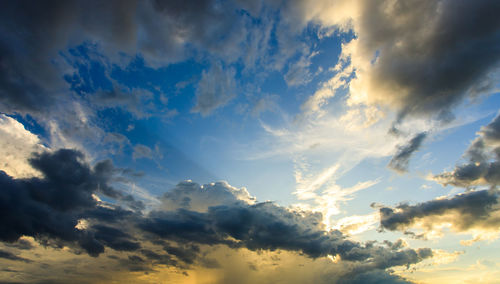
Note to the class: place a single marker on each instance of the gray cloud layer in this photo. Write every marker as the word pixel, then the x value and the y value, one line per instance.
pixel 49 208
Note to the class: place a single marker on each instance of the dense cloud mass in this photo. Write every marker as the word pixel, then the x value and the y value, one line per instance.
pixel 266 226
pixel 472 210
pixel 420 58
pixel 424 57
pixel 483 167
pixel 74 216
pixel 49 208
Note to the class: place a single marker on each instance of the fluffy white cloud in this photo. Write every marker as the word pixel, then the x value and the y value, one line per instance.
pixel 16 146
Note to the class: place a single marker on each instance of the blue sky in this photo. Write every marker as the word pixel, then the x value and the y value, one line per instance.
pixel 193 140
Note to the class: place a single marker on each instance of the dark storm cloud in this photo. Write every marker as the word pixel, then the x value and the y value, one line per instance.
pixel 400 160
pixel 429 54
pixel 475 209
pixel 267 226
pixel 114 238
pixel 158 258
pixel 483 167
pixel 187 253
pixel 49 208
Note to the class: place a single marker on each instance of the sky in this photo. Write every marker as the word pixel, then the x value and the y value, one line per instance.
pixel 234 141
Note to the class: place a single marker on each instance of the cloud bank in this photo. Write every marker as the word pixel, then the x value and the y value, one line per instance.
pixel 75 217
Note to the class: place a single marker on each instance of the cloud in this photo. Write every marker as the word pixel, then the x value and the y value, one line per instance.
pixel 421 58
pixel 142 151
pixel 16 146
pixel 398 61
pixel 241 223
pixel 64 195
pixel 216 88
pixel 116 141
pixel 10 256
pixel 30 77
pixel 475 211
pixel 377 276
pixel 298 73
pixel 195 197
pixel 183 226
pixel 483 156
pixel 400 160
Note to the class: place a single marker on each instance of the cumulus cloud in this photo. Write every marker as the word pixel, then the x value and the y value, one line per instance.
pixel 16 146
pixel 50 207
pixel 474 212
pixel 195 197
pixel 419 58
